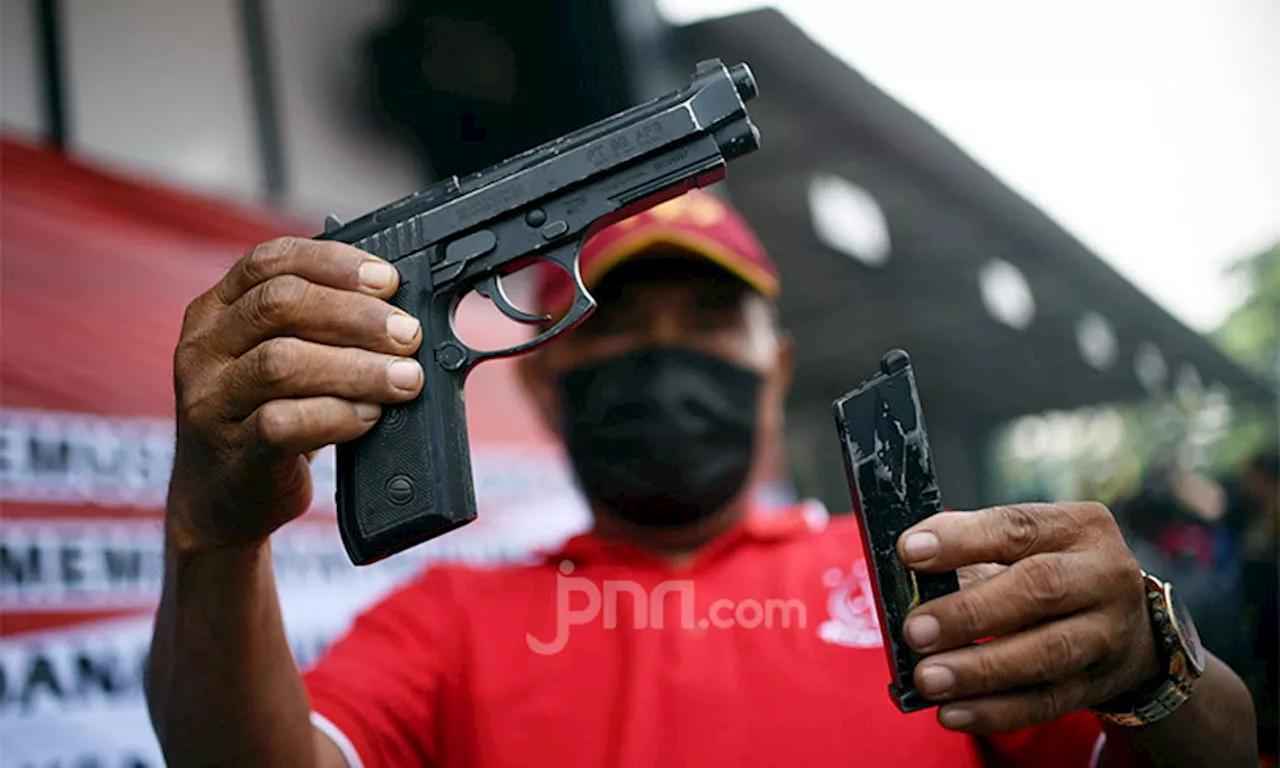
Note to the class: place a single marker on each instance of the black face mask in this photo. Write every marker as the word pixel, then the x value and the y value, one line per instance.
pixel 663 436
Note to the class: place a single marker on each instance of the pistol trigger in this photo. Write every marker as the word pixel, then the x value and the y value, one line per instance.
pixel 491 288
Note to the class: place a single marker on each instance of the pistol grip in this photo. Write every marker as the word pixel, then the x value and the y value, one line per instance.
pixel 408 479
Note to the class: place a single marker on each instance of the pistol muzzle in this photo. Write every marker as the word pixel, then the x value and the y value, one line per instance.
pixel 737 139
pixel 744 81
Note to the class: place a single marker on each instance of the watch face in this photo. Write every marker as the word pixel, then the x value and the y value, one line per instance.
pixel 1186 630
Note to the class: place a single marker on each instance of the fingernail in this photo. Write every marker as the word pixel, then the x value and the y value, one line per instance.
pixel 405 374
pixel 921 546
pixel 922 631
pixel 955 717
pixel 403 328
pixel 936 680
pixel 368 411
pixel 376 275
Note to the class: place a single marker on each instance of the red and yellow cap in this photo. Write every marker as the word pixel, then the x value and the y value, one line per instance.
pixel 696 223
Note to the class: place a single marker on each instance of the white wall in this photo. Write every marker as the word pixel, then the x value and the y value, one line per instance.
pixel 337 162
pixel 19 96
pixel 161 88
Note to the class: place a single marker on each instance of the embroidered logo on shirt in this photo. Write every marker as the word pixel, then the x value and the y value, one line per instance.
pixel 852 607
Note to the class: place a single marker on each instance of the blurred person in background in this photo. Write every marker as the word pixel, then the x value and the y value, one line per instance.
pixel 1260 508
pixel 1255 509
pixel 665 399
pixel 1177 526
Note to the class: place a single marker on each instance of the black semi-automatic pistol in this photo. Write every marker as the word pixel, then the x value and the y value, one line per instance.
pixel 893 485
pixel 409 478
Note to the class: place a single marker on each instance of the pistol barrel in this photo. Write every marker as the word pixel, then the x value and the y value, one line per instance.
pixel 712 105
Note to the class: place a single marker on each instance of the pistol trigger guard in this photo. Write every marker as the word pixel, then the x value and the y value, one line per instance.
pixel 581 308
pixel 491 288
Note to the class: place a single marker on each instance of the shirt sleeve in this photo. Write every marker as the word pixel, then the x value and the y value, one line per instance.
pixel 1077 740
pixel 377 692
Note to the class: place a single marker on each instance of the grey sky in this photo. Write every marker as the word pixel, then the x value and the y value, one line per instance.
pixel 1149 129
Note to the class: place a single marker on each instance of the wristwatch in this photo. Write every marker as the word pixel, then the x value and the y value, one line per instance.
pixel 1178 645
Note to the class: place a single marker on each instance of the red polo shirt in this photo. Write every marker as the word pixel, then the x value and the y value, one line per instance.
pixel 763 651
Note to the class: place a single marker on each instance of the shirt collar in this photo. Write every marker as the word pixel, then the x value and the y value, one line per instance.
pixel 761 526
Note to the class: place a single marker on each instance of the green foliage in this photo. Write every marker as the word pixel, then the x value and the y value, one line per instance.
pixel 1252 429
pixel 1099 453
pixel 1251 334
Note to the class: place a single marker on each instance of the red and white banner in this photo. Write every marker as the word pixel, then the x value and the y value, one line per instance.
pixel 95 272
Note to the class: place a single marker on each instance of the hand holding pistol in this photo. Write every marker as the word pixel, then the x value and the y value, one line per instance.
pixel 408 479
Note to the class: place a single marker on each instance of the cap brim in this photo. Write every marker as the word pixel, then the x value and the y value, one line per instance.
pixel 678 241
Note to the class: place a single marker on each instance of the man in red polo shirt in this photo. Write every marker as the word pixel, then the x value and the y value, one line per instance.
pixel 686 627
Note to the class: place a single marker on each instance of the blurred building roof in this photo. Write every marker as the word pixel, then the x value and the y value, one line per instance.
pixel 885 232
